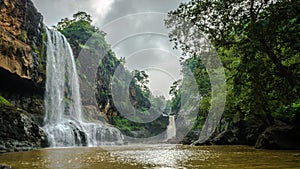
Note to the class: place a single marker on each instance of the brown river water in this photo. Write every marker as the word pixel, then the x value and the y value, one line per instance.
pixel 159 156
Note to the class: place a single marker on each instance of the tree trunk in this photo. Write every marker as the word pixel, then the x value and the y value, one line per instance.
pixel 287 74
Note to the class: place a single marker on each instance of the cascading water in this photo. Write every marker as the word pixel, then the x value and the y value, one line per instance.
pixel 64 124
pixel 171 129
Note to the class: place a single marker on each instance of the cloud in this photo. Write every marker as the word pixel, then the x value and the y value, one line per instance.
pixel 143 40
pixel 126 7
pixel 98 8
pixel 102 11
pixel 54 10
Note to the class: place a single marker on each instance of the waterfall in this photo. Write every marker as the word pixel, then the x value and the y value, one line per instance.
pixel 64 124
pixel 171 129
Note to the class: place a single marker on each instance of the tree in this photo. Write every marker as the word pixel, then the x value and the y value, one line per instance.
pixel 240 23
pixel 258 44
pixel 175 88
pixel 79 30
pixel 175 92
pixel 79 16
pixel 82 16
pixel 141 78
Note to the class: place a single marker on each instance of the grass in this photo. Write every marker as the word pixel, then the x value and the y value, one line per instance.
pixel 4 101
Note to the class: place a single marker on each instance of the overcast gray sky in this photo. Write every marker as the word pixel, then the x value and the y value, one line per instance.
pixel 135 30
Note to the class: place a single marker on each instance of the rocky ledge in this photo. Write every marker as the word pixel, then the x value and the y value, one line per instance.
pixel 18 132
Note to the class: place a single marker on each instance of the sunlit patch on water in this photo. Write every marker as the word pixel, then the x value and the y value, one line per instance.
pixel 161 156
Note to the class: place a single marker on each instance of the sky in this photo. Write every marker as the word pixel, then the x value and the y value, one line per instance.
pixel 135 30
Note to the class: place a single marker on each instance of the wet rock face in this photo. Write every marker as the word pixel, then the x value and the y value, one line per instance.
pixel 18 132
pixel 21 41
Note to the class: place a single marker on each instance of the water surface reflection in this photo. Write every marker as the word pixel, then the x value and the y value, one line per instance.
pixel 152 156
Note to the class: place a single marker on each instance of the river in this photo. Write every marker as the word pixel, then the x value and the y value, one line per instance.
pixel 160 156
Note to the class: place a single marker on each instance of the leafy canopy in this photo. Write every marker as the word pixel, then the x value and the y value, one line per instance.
pixel 258 43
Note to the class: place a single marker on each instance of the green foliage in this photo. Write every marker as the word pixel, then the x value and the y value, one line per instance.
pixel 175 88
pixel 287 112
pixel 196 66
pixel 259 47
pixel 82 16
pixel 124 125
pixel 140 82
pixel 43 50
pixel 79 30
pixel 4 101
pixel 23 36
pixel 79 16
pixel 121 123
pixel 35 49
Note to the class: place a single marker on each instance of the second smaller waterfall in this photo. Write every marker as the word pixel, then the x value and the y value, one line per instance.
pixel 171 130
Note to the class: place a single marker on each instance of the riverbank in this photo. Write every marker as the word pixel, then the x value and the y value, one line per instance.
pixel 254 133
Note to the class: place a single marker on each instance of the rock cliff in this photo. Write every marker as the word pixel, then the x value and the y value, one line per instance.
pixel 21 41
pixel 22 72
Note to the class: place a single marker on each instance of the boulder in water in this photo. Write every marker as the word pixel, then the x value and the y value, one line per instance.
pixel 279 136
pixel 4 166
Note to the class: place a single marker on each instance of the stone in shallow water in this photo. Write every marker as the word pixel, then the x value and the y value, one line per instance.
pixel 4 166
